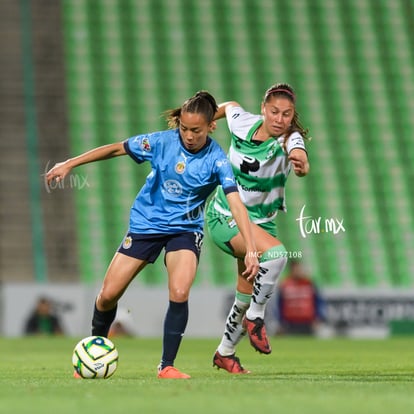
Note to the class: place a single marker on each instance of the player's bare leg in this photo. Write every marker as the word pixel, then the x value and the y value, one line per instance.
pixel 119 275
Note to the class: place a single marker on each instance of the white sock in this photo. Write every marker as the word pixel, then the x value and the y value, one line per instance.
pixel 265 282
pixel 234 331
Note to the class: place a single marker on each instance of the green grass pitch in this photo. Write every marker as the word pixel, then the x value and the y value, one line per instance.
pixel 302 375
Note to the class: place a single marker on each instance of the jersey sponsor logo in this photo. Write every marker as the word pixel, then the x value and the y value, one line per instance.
pixel 254 189
pixel 145 145
pixel 249 164
pixel 180 167
pixel 127 242
pixel 173 187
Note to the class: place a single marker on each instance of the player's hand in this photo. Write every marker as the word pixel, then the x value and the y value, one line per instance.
pixel 299 162
pixel 251 262
pixel 58 172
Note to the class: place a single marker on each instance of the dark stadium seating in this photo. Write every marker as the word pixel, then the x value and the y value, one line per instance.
pixel 351 64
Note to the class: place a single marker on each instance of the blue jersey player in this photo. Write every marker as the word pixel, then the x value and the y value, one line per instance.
pixel 168 213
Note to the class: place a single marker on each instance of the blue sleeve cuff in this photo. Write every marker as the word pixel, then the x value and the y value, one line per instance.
pixel 130 153
pixel 231 189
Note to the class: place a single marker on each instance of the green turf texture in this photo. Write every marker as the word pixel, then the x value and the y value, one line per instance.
pixel 302 375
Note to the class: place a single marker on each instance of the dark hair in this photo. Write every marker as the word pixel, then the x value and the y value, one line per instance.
pixel 201 103
pixel 286 91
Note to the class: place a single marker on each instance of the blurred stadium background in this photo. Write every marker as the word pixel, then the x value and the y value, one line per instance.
pixel 81 73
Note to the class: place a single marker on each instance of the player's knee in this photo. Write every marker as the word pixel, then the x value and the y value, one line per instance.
pixel 105 301
pixel 179 294
pixel 277 252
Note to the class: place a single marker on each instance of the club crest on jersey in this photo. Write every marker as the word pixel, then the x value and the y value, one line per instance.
pixel 145 145
pixel 127 242
pixel 180 167
pixel 272 150
pixel 231 222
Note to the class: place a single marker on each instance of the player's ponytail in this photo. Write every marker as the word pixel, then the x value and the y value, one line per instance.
pixel 201 103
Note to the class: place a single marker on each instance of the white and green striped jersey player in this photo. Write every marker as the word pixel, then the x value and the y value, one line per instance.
pixel 261 168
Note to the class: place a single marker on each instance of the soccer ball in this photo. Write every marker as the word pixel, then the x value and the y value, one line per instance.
pixel 95 357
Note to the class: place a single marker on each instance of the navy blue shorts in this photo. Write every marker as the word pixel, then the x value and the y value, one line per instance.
pixel 148 246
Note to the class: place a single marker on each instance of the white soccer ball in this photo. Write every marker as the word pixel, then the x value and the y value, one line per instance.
pixel 95 357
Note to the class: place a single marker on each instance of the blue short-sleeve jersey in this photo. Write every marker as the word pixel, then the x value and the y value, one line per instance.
pixel 173 197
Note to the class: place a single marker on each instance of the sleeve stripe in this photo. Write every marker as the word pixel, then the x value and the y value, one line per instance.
pixel 131 154
pixel 301 148
pixel 231 189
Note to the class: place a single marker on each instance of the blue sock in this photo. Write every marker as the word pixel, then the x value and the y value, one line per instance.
pixel 174 326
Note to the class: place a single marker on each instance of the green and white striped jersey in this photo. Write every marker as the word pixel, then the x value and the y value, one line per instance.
pixel 261 169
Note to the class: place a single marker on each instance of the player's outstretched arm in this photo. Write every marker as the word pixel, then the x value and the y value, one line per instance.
pixel 223 107
pixel 300 163
pixel 62 169
pixel 241 216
